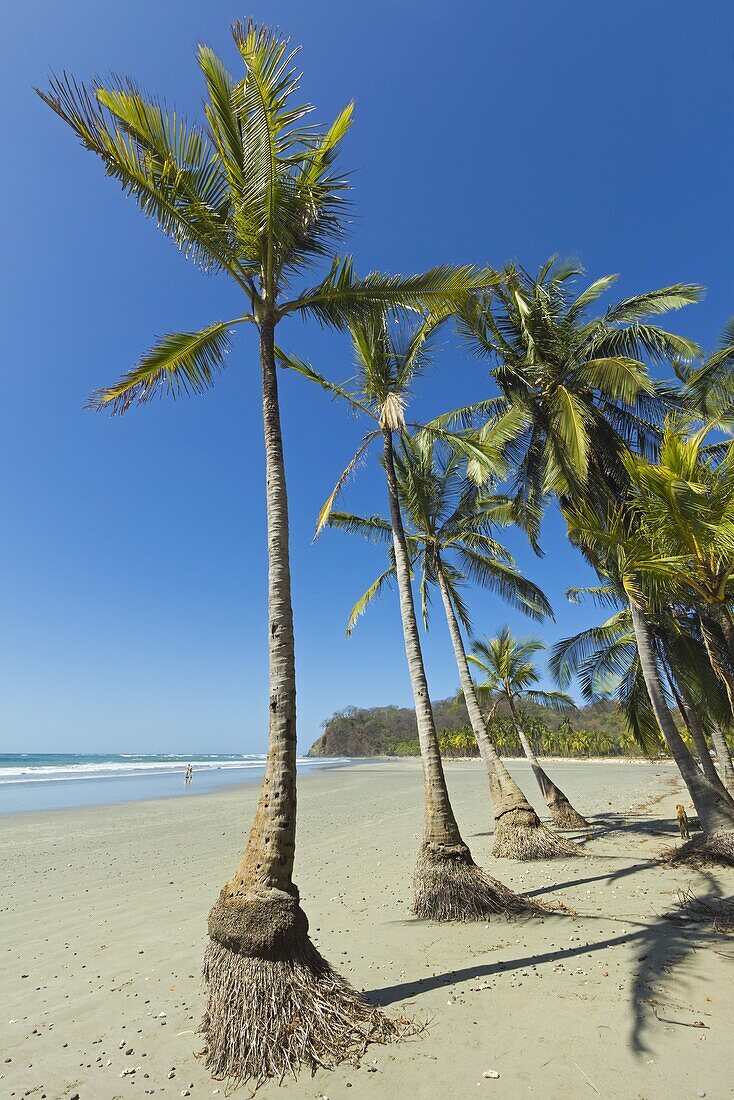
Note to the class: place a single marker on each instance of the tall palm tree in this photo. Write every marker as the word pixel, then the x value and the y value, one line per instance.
pixel 253 194
pixel 643 577
pixel 508 668
pixel 579 382
pixel 448 885
pixel 449 532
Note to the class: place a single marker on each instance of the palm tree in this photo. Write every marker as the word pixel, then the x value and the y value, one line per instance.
pixel 253 194
pixel 506 664
pixel 579 383
pixel 643 577
pixel 708 387
pixel 448 885
pixel 687 500
pixel 449 533
pixel 606 661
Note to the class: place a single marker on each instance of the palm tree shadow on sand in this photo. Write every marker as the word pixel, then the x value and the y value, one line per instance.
pixel 664 944
pixel 669 943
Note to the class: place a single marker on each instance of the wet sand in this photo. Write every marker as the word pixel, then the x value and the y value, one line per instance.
pixel 102 925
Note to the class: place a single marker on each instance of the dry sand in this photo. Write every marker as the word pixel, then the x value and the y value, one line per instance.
pixel 102 925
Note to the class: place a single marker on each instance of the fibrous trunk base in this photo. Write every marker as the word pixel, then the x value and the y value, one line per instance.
pixel 564 816
pixel 716 849
pixel 520 834
pixel 268 1016
pixel 450 886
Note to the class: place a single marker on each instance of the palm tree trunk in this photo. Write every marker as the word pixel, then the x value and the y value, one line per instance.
pixel 448 885
pixel 563 814
pixel 718 664
pixel 260 967
pixel 714 813
pixel 694 727
pixel 518 831
pixel 717 659
pixel 723 618
pixel 723 755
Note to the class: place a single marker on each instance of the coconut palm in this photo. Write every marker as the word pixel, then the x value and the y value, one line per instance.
pixel 253 194
pixel 643 577
pixel 606 662
pixel 450 527
pixel 687 503
pixel 506 663
pixel 708 387
pixel 580 382
pixel 448 885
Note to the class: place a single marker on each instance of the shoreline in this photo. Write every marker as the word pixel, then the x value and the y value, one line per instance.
pixel 50 794
pixel 119 790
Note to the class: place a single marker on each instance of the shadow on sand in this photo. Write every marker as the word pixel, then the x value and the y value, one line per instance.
pixel 663 944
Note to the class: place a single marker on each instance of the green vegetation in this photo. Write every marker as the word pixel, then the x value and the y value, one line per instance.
pixel 595 730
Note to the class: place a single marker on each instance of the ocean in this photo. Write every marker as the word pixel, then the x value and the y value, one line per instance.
pixel 51 781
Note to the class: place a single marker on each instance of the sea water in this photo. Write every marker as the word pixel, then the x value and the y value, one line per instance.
pixel 49 781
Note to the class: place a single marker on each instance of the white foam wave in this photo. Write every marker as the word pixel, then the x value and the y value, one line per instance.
pixel 47 773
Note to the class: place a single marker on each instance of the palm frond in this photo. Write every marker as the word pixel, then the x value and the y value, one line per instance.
pixel 374 590
pixel 372 528
pixel 293 362
pixel 551 700
pixel 341 296
pixel 164 188
pixel 655 302
pixel 323 516
pixel 180 364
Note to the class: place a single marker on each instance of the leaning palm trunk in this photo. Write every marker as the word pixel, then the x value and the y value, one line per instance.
pixel 563 814
pixel 447 883
pixel 518 831
pixel 715 813
pixel 718 659
pixel 719 665
pixel 273 1003
pixel 694 727
pixel 723 755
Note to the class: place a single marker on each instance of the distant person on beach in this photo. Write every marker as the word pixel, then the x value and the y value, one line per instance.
pixel 188 775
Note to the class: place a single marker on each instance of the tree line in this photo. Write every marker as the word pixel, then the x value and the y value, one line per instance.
pixel 567 412
pixel 596 730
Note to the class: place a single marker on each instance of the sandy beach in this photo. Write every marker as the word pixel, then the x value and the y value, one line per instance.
pixel 102 920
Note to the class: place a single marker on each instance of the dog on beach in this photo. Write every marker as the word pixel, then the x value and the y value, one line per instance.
pixel 682 822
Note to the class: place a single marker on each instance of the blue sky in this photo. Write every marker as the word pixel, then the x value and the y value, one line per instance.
pixel 132 567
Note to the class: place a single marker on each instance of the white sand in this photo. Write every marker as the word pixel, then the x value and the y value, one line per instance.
pixel 102 916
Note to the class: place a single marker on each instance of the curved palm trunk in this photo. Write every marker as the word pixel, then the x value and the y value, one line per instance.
pixel 715 814
pixel 261 970
pixel 723 755
pixel 448 885
pixel 718 659
pixel 698 736
pixel 563 814
pixel 718 665
pixel 518 831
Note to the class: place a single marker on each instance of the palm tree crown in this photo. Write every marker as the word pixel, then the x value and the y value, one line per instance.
pixel 508 667
pixel 581 382
pixel 450 525
pixel 253 193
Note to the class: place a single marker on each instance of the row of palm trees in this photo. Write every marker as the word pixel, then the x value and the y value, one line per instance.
pixel 254 194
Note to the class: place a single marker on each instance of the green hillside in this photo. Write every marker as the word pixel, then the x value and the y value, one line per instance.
pixel 596 730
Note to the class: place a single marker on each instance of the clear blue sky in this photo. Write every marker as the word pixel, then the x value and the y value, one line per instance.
pixel 132 562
